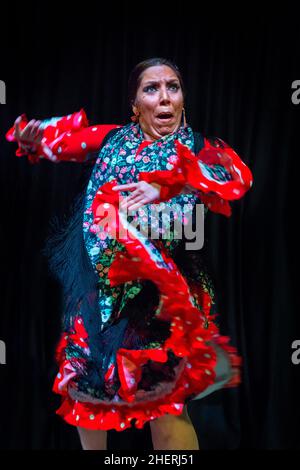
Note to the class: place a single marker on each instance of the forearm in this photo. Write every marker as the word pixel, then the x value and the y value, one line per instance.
pixel 66 138
pixel 216 174
pixel 75 146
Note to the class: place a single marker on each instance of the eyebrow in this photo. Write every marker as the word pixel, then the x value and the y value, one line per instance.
pixel 156 82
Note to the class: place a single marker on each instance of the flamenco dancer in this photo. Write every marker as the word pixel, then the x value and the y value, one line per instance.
pixel 139 338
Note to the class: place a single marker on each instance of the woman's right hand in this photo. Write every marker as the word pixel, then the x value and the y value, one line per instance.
pixel 30 137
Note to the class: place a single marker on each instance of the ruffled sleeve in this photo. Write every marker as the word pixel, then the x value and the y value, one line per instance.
pixel 216 173
pixel 68 138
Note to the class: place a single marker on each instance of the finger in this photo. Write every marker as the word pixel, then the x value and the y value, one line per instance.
pixel 17 128
pixel 138 205
pixel 33 131
pixel 134 201
pixel 132 195
pixel 124 187
pixel 27 130
pixel 129 200
pixel 39 135
pixel 18 120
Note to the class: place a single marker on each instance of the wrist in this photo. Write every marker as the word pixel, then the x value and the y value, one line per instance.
pixel 157 186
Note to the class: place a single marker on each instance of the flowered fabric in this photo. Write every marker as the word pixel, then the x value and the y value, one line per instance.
pixel 155 300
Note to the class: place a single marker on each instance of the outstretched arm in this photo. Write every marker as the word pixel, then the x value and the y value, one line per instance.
pixel 68 138
pixel 216 174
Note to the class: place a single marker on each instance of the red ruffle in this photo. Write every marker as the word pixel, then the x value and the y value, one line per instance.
pixel 192 169
pixel 191 338
pixel 64 138
pixel 53 133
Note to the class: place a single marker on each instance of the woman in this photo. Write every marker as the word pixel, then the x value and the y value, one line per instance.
pixel 139 340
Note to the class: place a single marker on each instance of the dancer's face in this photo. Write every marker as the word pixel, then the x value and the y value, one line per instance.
pixel 159 102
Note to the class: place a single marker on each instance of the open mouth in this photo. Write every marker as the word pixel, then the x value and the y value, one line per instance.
pixel 165 116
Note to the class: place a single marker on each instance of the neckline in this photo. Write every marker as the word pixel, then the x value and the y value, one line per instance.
pixel 140 135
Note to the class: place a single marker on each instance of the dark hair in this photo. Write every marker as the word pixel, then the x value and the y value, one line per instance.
pixel 136 75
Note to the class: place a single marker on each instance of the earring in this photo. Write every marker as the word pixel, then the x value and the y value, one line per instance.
pixel 135 117
pixel 184 118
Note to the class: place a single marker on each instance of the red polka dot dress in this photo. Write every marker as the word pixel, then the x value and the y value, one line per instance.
pixel 139 332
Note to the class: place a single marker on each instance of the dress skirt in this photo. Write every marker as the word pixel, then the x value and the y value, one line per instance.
pixel 160 346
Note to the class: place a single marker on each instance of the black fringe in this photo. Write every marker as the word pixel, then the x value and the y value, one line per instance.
pixel 70 264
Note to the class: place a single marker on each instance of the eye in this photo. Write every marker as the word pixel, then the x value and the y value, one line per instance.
pixel 174 86
pixel 150 88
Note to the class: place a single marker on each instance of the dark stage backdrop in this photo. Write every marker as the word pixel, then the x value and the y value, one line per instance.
pixel 238 68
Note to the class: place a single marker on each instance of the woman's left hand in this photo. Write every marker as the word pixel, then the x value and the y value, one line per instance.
pixel 142 193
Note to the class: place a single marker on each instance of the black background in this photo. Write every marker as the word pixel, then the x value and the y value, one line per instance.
pixel 238 65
